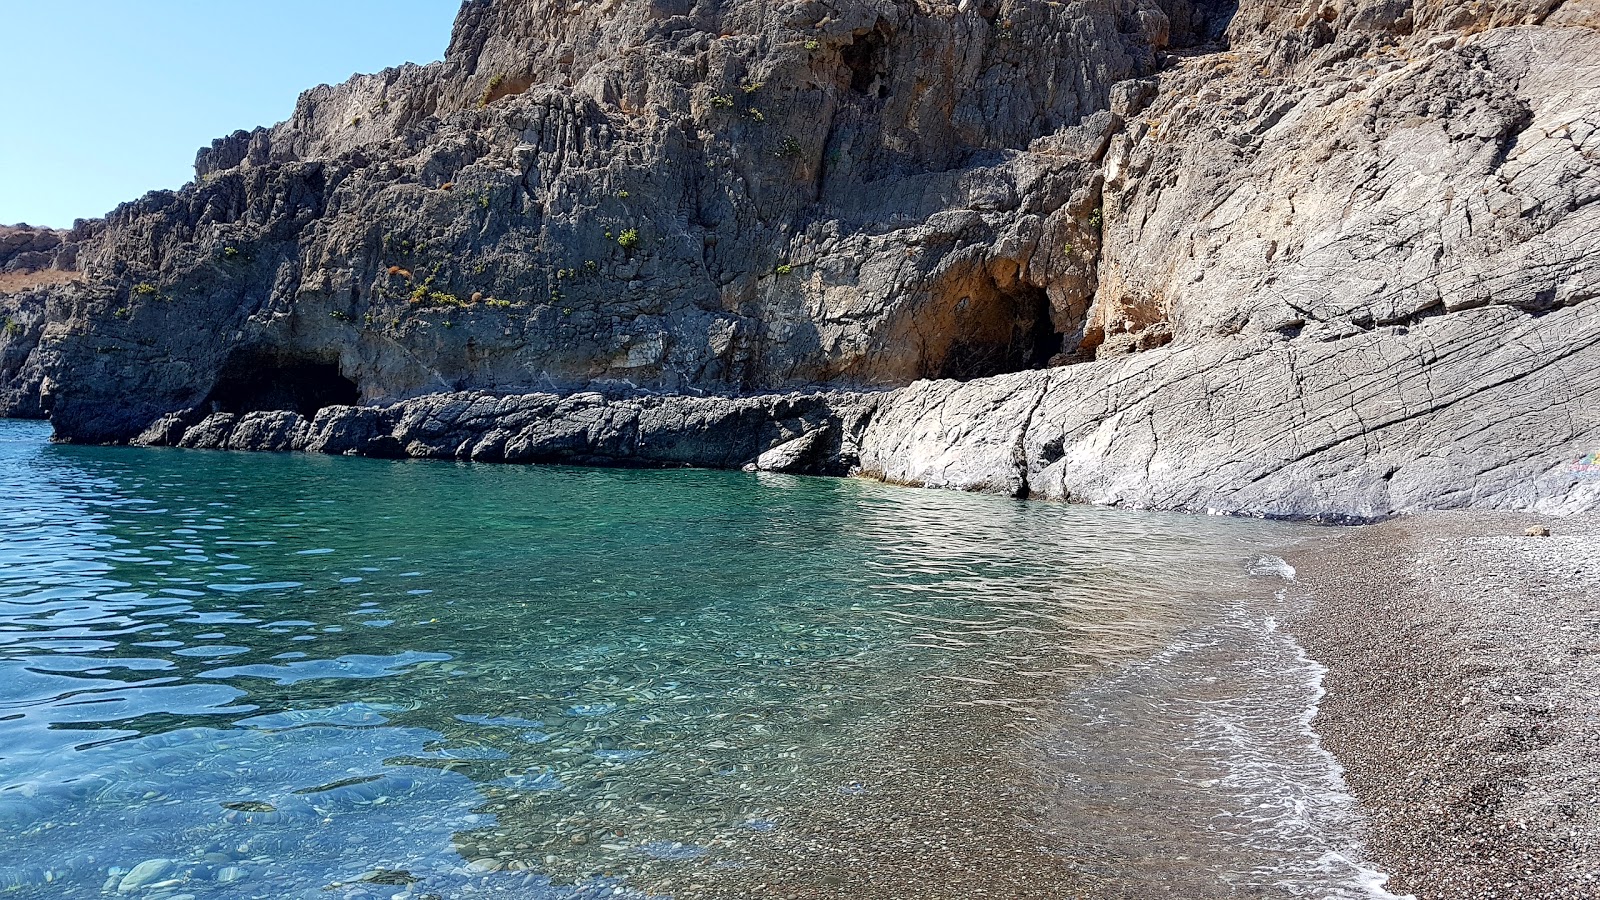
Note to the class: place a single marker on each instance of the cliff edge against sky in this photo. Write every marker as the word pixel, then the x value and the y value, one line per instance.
pixel 1330 259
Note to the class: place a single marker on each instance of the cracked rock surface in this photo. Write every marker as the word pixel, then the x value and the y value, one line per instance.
pixel 1332 258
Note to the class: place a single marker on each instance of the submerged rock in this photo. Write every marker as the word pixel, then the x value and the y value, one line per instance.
pixel 145 874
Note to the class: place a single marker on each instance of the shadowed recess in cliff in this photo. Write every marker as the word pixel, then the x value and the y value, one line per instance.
pixel 989 330
pixel 1197 23
pixel 864 60
pixel 262 380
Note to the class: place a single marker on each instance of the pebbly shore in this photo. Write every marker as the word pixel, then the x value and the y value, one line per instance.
pixel 1463 697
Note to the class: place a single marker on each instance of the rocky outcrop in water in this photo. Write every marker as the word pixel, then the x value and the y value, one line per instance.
pixel 1274 256
pixel 801 433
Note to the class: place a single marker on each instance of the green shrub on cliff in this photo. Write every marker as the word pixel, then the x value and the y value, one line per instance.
pixel 488 92
pixel 443 298
pixel 629 239
pixel 425 295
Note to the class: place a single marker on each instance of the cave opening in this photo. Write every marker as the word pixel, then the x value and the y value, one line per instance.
pixel 1201 23
pixel 264 380
pixel 997 333
pixel 863 58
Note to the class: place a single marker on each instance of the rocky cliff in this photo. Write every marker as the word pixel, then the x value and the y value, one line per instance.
pixel 1267 256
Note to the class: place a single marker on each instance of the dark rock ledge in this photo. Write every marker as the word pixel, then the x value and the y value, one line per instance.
pixel 804 433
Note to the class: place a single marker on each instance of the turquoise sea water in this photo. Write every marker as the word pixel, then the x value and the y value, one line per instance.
pixel 231 676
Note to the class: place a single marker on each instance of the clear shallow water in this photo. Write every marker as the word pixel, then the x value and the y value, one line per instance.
pixel 242 676
pixel 1206 756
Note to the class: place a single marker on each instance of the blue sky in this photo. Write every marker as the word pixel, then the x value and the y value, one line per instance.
pixel 108 99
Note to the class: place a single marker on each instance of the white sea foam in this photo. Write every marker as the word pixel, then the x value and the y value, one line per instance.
pixel 1268 565
pixel 1209 751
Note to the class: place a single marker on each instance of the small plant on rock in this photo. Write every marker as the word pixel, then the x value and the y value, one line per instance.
pixel 629 239
pixel 489 92
pixel 785 269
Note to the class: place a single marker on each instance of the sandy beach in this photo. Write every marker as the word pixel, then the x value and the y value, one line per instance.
pixel 1463 697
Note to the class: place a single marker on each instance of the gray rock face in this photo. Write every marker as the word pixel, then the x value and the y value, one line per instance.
pixel 1269 256
pixel 581 428
pixel 1490 408
pixel 1357 194
pixel 22 320
pixel 1457 411
pixel 797 456
pixel 24 248
pixel 724 196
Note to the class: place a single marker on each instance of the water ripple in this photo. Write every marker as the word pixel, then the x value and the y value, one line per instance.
pixel 303 674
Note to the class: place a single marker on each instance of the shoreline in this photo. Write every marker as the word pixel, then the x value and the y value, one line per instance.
pixel 716 437
pixel 1463 697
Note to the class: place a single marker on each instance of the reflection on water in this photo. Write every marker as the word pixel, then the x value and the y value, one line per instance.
pixel 234 675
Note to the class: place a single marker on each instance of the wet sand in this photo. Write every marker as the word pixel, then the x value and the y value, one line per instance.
pixel 1463 698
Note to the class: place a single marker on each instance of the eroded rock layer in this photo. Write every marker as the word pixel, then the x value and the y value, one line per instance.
pixel 1268 256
